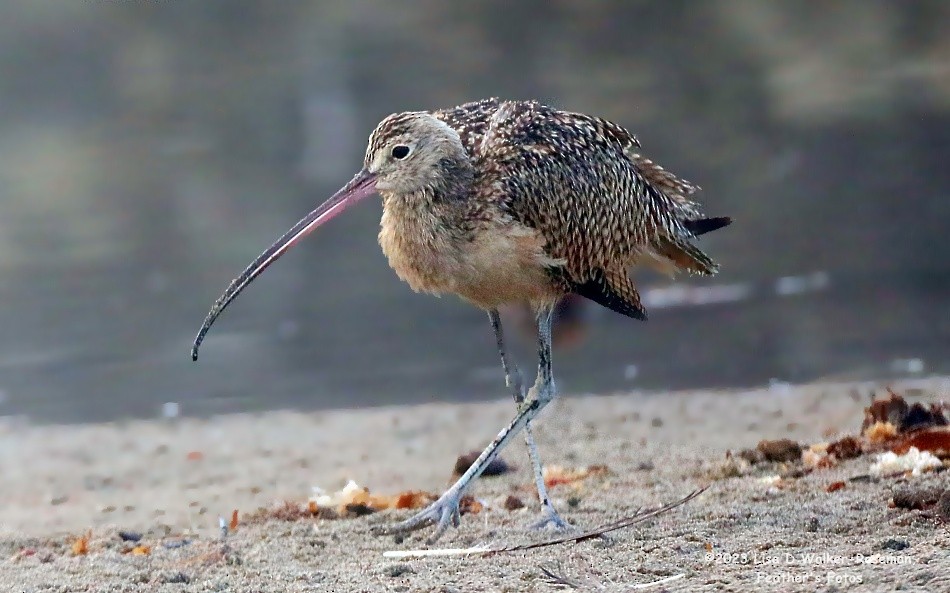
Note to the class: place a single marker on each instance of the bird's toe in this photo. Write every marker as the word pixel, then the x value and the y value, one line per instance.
pixel 551 520
pixel 442 513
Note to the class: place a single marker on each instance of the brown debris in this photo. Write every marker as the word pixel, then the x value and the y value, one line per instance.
pixel 80 545
pixel 288 511
pixel 413 499
pixel 845 448
pixel 935 440
pixel 834 486
pixel 555 475
pixel 497 467
pixel 885 411
pixel 893 424
pixel 354 499
pixel 780 450
pixel 905 418
pixel 880 432
pixel 234 520
pixel 351 501
pixel 890 426
pixel 469 506
pixel 513 503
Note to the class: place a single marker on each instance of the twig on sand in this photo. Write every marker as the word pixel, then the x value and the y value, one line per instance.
pixel 475 550
pixel 638 517
pixel 557 578
pixel 565 582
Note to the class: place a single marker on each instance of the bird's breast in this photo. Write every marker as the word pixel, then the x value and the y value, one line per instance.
pixel 496 263
pixel 419 254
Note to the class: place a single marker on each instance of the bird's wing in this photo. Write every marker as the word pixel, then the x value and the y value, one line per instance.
pixel 669 184
pixel 470 120
pixel 599 206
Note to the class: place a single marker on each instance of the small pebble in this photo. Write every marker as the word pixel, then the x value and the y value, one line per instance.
pixel 916 498
pixel 176 577
pixel 513 502
pixel 497 466
pixel 943 506
pixel 130 536
pixel 894 544
pixel 780 450
pixel 397 570
pixel 359 509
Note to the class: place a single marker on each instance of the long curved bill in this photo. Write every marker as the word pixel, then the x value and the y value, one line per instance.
pixel 361 186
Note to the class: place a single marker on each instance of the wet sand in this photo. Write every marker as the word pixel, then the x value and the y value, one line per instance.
pixel 171 480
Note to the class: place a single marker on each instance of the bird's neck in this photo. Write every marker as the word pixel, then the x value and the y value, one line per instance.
pixel 424 233
pixel 427 215
pixel 443 206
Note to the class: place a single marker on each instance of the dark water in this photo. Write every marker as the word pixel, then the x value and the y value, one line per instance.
pixel 150 150
pixel 121 348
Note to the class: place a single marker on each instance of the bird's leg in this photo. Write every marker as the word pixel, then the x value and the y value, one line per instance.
pixel 512 374
pixel 513 381
pixel 544 389
pixel 445 510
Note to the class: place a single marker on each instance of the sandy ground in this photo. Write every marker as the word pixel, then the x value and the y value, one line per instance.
pixel 170 480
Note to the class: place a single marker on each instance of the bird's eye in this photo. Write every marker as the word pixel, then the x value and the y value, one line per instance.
pixel 400 152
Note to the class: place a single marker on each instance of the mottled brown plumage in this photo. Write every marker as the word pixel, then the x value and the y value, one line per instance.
pixel 505 202
pixel 565 192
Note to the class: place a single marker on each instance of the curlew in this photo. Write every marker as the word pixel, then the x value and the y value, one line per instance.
pixel 513 202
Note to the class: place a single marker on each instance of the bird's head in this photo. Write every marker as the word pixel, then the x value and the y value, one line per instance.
pixel 408 153
pixel 412 152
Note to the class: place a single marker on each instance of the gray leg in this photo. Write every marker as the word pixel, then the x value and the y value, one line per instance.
pixel 513 380
pixel 445 510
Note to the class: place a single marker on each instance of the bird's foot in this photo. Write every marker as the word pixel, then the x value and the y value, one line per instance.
pixel 441 513
pixel 550 519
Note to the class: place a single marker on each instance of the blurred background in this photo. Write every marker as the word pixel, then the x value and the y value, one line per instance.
pixel 150 150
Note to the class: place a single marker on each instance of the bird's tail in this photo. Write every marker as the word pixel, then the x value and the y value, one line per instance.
pixel 687 256
pixel 701 226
